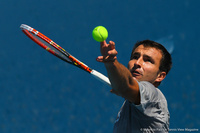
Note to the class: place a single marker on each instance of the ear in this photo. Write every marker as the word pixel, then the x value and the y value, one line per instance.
pixel 160 76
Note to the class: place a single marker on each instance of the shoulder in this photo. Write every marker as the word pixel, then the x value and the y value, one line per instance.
pixel 146 84
pixel 149 93
pixel 153 103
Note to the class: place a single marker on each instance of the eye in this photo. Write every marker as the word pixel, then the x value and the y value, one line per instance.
pixel 150 60
pixel 135 56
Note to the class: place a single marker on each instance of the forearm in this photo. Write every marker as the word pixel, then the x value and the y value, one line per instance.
pixel 122 81
pixel 120 77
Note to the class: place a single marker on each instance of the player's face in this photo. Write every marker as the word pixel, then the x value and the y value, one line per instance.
pixel 144 64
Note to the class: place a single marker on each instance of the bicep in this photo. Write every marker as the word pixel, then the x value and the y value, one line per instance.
pixel 132 92
pixel 122 82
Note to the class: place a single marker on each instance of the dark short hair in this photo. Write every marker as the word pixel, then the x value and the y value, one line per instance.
pixel 166 60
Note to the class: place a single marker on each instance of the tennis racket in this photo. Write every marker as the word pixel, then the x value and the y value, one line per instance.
pixel 59 52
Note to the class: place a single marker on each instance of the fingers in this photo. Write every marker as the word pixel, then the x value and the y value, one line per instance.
pixel 108 52
pixel 103 43
pixel 106 59
pixel 112 52
pixel 99 58
pixel 108 49
pixel 112 45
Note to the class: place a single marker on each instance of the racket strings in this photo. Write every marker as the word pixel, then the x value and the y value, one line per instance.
pixel 45 43
pixel 72 60
pixel 52 47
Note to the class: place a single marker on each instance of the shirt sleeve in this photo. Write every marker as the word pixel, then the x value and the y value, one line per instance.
pixel 149 98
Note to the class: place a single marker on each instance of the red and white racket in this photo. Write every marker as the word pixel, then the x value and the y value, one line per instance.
pixel 59 52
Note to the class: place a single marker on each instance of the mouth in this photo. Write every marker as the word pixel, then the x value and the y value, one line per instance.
pixel 135 73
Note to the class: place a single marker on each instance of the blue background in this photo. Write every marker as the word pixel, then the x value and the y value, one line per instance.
pixel 39 93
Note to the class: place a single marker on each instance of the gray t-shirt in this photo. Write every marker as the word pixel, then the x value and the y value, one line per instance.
pixel 151 116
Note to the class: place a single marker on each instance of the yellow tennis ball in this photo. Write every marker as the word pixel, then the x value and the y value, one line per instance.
pixel 100 33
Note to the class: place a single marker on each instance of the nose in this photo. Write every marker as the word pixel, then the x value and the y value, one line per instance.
pixel 138 63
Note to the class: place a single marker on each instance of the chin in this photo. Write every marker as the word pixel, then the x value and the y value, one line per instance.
pixel 136 78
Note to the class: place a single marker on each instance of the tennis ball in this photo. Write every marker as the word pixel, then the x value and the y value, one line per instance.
pixel 100 33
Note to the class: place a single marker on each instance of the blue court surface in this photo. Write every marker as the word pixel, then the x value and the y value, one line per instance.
pixel 41 94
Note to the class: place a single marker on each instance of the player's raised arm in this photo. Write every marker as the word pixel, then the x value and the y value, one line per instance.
pixel 120 77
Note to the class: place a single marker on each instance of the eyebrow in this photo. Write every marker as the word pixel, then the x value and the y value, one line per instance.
pixel 150 58
pixel 145 55
pixel 134 53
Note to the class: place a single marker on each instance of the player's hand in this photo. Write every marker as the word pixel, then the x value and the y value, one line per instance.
pixel 108 52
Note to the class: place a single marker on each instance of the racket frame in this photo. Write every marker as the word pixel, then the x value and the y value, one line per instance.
pixel 28 30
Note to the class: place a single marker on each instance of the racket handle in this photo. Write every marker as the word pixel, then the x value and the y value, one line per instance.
pixel 101 77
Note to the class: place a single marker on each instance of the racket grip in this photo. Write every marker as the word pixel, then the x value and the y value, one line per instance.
pixel 101 77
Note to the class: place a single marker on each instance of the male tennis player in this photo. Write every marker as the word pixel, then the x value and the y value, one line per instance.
pixel 145 107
